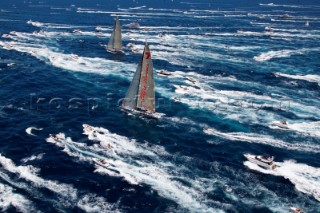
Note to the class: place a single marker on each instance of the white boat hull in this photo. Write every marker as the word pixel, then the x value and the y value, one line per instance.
pixel 296 210
pixel 252 159
pixel 280 125
pixel 114 51
pixel 104 165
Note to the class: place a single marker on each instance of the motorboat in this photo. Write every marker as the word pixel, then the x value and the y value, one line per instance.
pixel 268 28
pixel 57 137
pixel 74 56
pixel 87 128
pixel 281 124
pixel 132 25
pixel 263 161
pixel 284 16
pixel 76 31
pixel 164 72
pixel 176 99
pixel 296 210
pixel 99 28
pixel 192 80
pixel 101 162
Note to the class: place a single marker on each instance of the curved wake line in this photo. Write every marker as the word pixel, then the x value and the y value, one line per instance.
pixel 125 160
pixel 308 77
pixel 9 198
pixel 69 195
pixel 283 54
pixel 305 178
pixel 263 139
pixel 29 130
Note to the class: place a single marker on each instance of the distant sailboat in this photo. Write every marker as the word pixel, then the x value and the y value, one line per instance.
pixel 140 98
pixel 307 24
pixel 115 42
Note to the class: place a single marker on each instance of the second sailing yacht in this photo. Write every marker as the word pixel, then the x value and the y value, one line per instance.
pixel 115 41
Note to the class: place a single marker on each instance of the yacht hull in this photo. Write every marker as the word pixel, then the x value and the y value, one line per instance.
pixel 146 114
pixel 253 159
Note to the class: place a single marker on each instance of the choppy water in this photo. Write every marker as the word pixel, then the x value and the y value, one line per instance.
pixel 192 159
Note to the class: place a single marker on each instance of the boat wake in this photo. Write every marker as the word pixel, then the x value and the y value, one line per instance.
pixel 283 54
pixel 305 178
pixel 125 161
pixel 30 129
pixel 308 77
pixel 263 139
pixel 68 195
pixel 9 198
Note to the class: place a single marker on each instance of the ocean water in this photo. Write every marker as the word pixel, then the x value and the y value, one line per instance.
pixel 192 159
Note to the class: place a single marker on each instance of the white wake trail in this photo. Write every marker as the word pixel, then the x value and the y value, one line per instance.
pixel 126 159
pixel 69 195
pixel 304 177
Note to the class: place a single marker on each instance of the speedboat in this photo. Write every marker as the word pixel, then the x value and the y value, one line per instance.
pixel 192 80
pixel 99 28
pixel 281 124
pixel 5 36
pixel 101 162
pixel 296 210
pixel 185 88
pixel 76 31
pixel 132 25
pixel 57 137
pixel 87 127
pixel 164 72
pixel 263 161
pixel 176 99
pixel 74 56
pixel 268 28
pixel 284 16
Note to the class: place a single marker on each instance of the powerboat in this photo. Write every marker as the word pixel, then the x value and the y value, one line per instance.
pixel 281 124
pixel 101 162
pixel 268 28
pixel 263 161
pixel 74 56
pixel 296 210
pixel 57 137
pixel 99 28
pixel 88 128
pixel 164 72
pixel 285 16
pixel 192 80
pixel 132 25
pixel 176 99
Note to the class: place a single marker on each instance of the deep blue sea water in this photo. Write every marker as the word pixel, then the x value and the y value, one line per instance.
pixel 56 75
